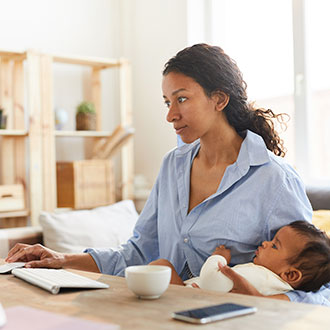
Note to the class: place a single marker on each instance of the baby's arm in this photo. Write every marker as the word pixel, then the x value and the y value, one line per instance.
pixel 221 250
pixel 175 278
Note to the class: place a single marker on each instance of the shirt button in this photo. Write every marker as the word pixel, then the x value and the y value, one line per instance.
pixel 186 240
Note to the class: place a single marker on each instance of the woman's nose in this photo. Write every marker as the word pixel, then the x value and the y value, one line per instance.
pixel 172 114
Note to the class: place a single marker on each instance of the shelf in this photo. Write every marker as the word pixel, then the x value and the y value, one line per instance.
pixel 8 54
pixel 60 58
pixel 90 61
pixel 14 214
pixel 28 145
pixel 13 132
pixel 82 133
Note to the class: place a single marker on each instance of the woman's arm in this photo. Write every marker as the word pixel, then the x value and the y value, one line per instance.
pixel 38 256
pixel 293 204
pixel 242 286
pixel 321 297
pixel 140 249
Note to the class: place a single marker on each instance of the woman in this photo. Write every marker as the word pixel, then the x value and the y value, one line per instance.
pixel 226 186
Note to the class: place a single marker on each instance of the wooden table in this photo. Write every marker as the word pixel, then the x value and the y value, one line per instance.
pixel 118 305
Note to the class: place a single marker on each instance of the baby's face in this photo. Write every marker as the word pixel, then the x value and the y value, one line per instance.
pixel 273 254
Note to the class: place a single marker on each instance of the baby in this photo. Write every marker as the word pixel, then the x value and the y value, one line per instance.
pixel 298 258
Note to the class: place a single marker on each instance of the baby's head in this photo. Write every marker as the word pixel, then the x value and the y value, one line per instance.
pixel 300 254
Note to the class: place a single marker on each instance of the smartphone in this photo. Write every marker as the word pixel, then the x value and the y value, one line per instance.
pixel 213 313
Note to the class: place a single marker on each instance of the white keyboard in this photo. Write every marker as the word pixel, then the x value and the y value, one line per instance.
pixel 55 279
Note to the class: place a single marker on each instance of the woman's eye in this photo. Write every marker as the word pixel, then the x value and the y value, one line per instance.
pixel 181 99
pixel 274 246
pixel 167 103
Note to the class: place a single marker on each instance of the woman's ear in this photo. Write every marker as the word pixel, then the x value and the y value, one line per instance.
pixel 292 276
pixel 221 100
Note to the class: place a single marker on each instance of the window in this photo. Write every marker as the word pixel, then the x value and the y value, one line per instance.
pixel 285 63
pixel 261 44
pixel 317 23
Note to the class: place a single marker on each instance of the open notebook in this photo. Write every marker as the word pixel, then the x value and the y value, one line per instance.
pixel 53 280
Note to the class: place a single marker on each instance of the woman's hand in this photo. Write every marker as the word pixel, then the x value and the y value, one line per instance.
pixel 36 256
pixel 241 285
pixel 221 250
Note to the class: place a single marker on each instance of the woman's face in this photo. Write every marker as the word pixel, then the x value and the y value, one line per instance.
pixel 192 113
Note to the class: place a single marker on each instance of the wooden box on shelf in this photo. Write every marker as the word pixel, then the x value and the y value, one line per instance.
pixel 11 197
pixel 85 184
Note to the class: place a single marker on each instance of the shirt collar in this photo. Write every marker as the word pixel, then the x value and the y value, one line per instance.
pixel 253 151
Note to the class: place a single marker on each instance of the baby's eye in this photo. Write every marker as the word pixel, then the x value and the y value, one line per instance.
pixel 181 99
pixel 274 246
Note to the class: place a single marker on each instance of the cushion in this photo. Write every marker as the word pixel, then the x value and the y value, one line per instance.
pixel 73 231
pixel 321 219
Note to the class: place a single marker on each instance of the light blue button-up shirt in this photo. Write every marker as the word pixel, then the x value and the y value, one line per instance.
pixel 258 194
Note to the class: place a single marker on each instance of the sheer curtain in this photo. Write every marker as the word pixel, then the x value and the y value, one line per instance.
pixel 281 48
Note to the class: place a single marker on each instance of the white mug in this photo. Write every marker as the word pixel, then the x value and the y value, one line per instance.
pixel 148 281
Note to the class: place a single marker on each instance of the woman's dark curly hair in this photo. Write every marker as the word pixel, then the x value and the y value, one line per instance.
pixel 215 71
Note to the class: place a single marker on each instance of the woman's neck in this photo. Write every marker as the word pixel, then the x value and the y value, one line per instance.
pixel 220 147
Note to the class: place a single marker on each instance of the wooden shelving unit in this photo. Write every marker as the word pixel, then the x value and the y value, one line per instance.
pixel 27 149
pixel 82 133
pixel 13 132
pixel 14 214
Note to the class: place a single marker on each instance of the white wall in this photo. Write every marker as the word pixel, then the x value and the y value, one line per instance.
pixel 74 27
pixel 81 27
pixel 153 31
pixel 147 32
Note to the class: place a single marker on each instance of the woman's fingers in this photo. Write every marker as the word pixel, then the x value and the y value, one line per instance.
pixel 24 252
pixel 14 250
pixel 241 285
pixel 195 285
pixel 18 254
pixel 35 256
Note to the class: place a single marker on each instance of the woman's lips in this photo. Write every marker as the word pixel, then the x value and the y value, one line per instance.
pixel 179 129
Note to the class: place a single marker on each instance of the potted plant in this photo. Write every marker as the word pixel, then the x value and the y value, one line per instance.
pixel 86 117
pixel 3 118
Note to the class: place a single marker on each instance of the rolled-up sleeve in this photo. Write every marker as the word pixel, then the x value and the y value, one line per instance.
pixel 141 248
pixel 321 297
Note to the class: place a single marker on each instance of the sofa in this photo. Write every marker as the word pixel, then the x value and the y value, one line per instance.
pixel 110 226
pixel 319 196
pixel 73 231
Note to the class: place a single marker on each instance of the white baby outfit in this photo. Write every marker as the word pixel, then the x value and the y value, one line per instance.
pixel 264 280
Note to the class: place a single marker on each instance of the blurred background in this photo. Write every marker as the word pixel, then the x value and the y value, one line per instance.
pixel 279 45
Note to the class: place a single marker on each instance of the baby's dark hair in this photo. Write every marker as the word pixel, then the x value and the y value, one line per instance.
pixel 314 260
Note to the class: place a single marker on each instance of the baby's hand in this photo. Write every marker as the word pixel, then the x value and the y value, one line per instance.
pixel 221 250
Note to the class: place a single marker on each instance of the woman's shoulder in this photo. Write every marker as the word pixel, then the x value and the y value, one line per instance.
pixel 184 150
pixel 270 166
pixel 284 182
pixel 281 167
